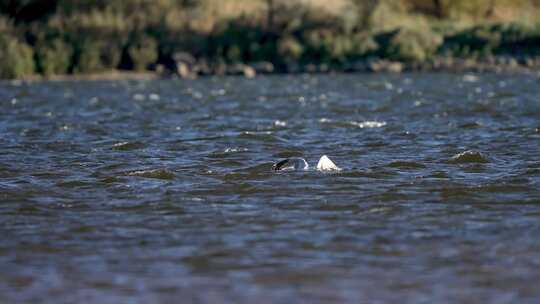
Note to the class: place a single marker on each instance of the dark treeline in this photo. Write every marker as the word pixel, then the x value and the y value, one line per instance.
pixel 52 37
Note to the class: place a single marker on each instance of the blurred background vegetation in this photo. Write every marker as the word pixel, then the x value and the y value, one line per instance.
pixel 51 37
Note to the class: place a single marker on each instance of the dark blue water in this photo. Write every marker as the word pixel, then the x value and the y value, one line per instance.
pixel 162 191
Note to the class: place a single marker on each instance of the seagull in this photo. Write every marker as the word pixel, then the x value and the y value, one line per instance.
pixel 298 163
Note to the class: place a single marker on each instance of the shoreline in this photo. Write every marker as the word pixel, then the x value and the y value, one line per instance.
pixel 495 64
pixel 204 37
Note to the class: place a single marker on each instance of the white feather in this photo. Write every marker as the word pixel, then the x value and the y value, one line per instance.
pixel 325 164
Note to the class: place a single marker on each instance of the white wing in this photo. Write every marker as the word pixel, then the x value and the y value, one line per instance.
pixel 325 164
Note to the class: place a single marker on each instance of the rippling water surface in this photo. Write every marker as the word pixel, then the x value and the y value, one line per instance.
pixel 162 191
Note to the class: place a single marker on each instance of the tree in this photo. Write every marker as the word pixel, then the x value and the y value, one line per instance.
pixel 270 11
pixel 439 9
pixel 28 10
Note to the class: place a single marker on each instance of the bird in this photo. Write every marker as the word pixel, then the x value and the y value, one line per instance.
pixel 298 163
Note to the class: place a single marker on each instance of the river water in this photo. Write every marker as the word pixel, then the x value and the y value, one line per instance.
pixel 162 191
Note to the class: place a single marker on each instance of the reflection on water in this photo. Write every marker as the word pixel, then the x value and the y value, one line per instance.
pixel 146 191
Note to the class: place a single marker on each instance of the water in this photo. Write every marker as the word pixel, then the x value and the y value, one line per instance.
pixel 160 191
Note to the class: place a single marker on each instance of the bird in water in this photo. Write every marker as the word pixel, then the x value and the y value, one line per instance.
pixel 298 163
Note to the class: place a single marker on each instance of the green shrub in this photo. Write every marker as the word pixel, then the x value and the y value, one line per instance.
pixel 479 39
pixel 94 55
pixel 238 40
pixel 16 58
pixel 363 45
pixel 6 25
pixel 110 53
pixel 234 53
pixel 494 39
pixel 289 48
pixel 264 50
pixel 518 38
pixel 141 52
pixel 341 47
pixel 87 57
pixel 319 46
pixel 53 57
pixel 410 45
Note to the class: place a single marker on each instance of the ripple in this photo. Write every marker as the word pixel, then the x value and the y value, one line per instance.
pixel 457 192
pixel 470 125
pixel 227 152
pixel 235 150
pixel 152 173
pixel 470 78
pixel 109 180
pixel 288 153
pixel 406 165
pixel 8 172
pixel 128 146
pixel 504 188
pixel 356 124
pixel 266 136
pixel 439 174
pixel 224 162
pixel 74 184
pixel 361 173
pixel 368 124
pixel 469 156
pixel 29 209
pixel 280 123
